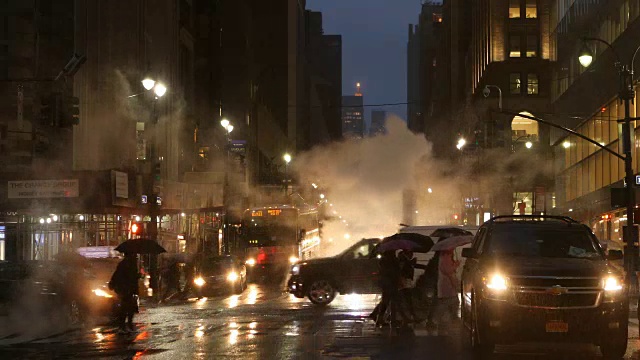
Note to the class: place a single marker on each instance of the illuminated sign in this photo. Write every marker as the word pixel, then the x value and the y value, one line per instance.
pixel 256 213
pixel 274 212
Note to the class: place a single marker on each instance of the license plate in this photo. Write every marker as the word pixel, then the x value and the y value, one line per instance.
pixel 557 327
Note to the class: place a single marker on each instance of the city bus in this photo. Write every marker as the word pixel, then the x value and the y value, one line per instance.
pixel 275 237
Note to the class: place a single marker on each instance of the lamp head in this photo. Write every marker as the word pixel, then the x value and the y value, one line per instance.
pixel 287 158
pixel 224 123
pixel 160 90
pixel 585 56
pixel 148 83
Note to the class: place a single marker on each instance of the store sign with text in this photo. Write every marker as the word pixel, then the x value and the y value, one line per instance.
pixel 40 189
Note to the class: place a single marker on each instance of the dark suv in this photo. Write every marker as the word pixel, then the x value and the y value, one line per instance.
pixel 355 270
pixel 543 279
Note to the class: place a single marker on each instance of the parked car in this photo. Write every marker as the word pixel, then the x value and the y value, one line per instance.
pixel 543 279
pixel 220 274
pixel 354 270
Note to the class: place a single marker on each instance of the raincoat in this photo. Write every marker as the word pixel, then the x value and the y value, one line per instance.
pixel 447 280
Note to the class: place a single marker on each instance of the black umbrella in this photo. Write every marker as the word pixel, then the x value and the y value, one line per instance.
pixel 423 242
pixel 450 231
pixel 140 246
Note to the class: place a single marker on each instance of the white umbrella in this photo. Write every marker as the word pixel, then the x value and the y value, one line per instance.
pixel 452 243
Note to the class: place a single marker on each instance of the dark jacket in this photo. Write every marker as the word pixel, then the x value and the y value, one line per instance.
pixel 124 280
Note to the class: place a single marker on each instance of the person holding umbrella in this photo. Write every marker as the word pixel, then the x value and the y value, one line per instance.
pixel 389 277
pixel 448 282
pixel 124 282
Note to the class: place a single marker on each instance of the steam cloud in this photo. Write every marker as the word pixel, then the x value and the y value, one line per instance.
pixel 365 179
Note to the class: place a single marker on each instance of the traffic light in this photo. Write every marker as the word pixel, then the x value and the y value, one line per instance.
pixel 135 228
pixel 70 112
pixel 50 110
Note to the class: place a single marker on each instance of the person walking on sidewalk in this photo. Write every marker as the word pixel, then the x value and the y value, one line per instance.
pixel 124 282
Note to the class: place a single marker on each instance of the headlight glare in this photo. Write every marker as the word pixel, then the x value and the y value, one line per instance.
pixel 293 259
pixel 496 282
pixel 612 284
pixel 295 270
pixel 199 281
pixel 232 276
pixel 102 293
pixel 250 262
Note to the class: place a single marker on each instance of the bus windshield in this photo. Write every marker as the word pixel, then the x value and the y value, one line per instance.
pixel 266 227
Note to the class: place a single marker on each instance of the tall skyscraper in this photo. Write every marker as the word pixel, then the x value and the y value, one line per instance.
pixel 353 115
pixel 377 127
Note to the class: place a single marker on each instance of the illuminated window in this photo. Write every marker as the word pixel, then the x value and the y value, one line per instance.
pixel 531 10
pixel 515 83
pixel 437 18
pixel 514 46
pixel 532 45
pixel 532 84
pixel 514 9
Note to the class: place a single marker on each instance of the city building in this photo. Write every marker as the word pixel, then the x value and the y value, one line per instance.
pixel 423 47
pixel 585 174
pixel 324 54
pixel 378 119
pixel 511 61
pixel 486 55
pixel 353 123
pixel 414 111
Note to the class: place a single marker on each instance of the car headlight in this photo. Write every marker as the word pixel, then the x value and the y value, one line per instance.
pixel 293 259
pixel 199 281
pixel 496 282
pixel 612 284
pixel 295 270
pixel 232 276
pixel 250 262
pixel 101 293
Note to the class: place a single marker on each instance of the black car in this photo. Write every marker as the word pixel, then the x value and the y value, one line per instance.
pixel 220 274
pixel 354 270
pixel 44 288
pixel 543 279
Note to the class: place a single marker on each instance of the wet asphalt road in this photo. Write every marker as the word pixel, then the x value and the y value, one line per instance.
pixel 264 323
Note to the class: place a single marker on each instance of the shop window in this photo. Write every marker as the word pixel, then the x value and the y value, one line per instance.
pixel 532 84
pixel 532 45
pixel 531 10
pixel 514 9
pixel 514 46
pixel 515 82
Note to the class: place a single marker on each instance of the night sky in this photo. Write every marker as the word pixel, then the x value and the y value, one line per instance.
pixel 374 46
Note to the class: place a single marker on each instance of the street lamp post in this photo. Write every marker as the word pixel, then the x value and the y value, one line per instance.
pixel 528 144
pixel 226 124
pixel 153 175
pixel 487 91
pixel 287 160
pixel 626 94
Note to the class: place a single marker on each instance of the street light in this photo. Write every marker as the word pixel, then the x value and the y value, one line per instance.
pixel 566 144
pixel 287 160
pixel 528 144
pixel 148 83
pixel 159 90
pixel 626 94
pixel 461 143
pixel 226 124
pixel 487 91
